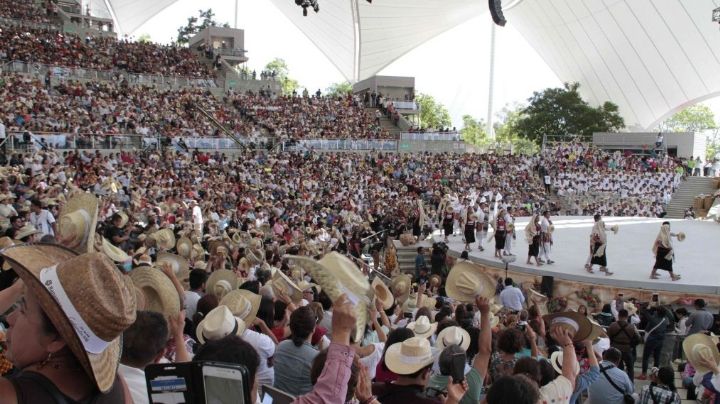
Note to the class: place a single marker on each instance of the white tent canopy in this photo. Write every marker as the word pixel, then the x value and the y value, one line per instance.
pixel 651 57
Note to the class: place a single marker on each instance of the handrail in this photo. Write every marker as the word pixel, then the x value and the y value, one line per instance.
pixel 219 125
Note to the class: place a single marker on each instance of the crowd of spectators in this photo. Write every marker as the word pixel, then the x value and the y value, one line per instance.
pixel 28 11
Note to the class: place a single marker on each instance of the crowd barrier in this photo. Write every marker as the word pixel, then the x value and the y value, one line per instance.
pixel 431 136
pixel 341 144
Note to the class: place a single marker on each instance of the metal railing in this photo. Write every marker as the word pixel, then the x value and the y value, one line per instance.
pixel 11 22
pixel 79 73
pixel 341 145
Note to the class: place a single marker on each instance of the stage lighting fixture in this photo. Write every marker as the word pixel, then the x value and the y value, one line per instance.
pixel 369 1
pixel 305 4
pixel 496 12
pixel 716 15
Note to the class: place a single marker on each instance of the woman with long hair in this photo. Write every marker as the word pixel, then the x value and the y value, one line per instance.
pixel 664 252
pixel 500 226
pixel 532 236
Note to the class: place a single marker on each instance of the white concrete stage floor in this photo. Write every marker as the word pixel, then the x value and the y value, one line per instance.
pixel 697 259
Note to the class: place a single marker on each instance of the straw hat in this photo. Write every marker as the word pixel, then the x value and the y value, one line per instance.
pixel 681 236
pixel 305 285
pixel 218 324
pixel 198 251
pixel 184 247
pixel 165 239
pixel 123 218
pixel 597 331
pixel 538 299
pixel 556 360
pixel 400 286
pixel 422 327
pixel 243 304
pixel 221 282
pixel 160 293
pixel 467 280
pixel 77 222
pixel 336 274
pixel 214 245
pixel 630 307
pixel 26 231
pixel 200 265
pixel 699 345
pixel 114 253
pixel 434 281
pixel 100 304
pixel 179 265
pixel 6 242
pixel 281 282
pixel 449 209
pixel 577 323
pixel 453 335
pixel 409 356
pixel 382 293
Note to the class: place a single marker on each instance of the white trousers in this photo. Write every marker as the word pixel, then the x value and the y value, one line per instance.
pixel 545 251
pixel 508 243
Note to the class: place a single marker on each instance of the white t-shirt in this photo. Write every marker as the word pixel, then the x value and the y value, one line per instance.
pixel 197 215
pixel 557 391
pixel 135 379
pixel 43 221
pixel 371 361
pixel 191 300
pixel 265 348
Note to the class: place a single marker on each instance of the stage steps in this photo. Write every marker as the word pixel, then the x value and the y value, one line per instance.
pixel 406 255
pixel 686 193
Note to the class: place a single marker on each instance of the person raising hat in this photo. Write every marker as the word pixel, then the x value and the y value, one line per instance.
pixel 75 360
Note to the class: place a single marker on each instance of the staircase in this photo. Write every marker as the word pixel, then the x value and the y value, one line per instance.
pixel 406 255
pixel 220 126
pixel 386 123
pixel 686 193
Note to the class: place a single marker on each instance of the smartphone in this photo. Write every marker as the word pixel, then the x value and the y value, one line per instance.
pixel 225 384
pixel 271 395
pixel 655 297
pixel 458 368
pixel 170 383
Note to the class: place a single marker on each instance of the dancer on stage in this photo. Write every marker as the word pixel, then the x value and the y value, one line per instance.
pixel 546 228
pixel 447 222
pixel 598 245
pixel 533 238
pixel 664 252
pixel 510 235
pixel 500 225
pixel 470 227
pixel 482 223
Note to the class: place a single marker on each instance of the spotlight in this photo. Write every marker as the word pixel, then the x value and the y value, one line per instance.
pixel 369 1
pixel 305 4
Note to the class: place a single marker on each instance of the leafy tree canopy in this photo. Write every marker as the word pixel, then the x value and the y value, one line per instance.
pixel 280 67
pixel 561 111
pixel 196 24
pixel 339 89
pixel 433 114
pixel 691 119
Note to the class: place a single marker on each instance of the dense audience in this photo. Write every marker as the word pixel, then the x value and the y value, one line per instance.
pixel 28 11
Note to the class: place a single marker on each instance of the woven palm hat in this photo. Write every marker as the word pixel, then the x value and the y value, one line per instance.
pixel 630 307
pixel 184 247
pixel 422 327
pixel 114 253
pixel 77 222
pixel 85 298
pixel 198 251
pixel 164 238
pixel 179 265
pixel 218 324
pixel 409 356
pixel 337 275
pixel 681 236
pixel 305 285
pixel 25 231
pixel 467 280
pixel 221 282
pixel 214 245
pixel 160 293
pixel 6 242
pixel 453 336
pixel 556 360
pixel 699 345
pixel 123 218
pixel 434 281
pixel 400 286
pixel 597 331
pixel 449 209
pixel 281 282
pixel 578 324
pixel 243 304
pixel 382 293
pixel 538 299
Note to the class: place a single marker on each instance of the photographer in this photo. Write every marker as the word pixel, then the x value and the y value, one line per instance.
pixel 658 321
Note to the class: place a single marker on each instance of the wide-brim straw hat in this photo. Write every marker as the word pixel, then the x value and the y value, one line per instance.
pixel 409 356
pixel 556 360
pixel 449 209
pixel 400 286
pixel 578 324
pixel 453 336
pixel 630 307
pixel 179 265
pixel 218 324
pixel 94 294
pixel 337 274
pixel 681 236
pixel 422 327
pixel 467 281
pixel 164 238
pixel 123 218
pixel 243 304
pixel 184 247
pixel 281 282
pixel 538 299
pixel 113 252
pixel 435 281
pixel 305 285
pixel 77 222
pixel 382 293
pixel 6 242
pixel 221 282
pixel 198 251
pixel 160 293
pixel 699 345
pixel 597 331
pixel 26 231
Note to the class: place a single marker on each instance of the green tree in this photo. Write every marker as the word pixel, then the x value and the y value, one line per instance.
pixel 206 19
pixel 691 119
pixel 473 131
pixel 561 111
pixel 506 131
pixel 280 67
pixel 144 38
pixel 339 89
pixel 433 115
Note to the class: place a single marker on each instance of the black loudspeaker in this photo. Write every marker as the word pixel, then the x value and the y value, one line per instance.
pixel 496 12
pixel 546 287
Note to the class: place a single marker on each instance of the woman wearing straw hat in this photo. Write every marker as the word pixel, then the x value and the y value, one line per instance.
pixel 598 244
pixel 664 251
pixel 61 360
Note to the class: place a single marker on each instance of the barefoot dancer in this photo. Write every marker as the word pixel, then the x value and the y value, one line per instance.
pixel 598 245
pixel 664 252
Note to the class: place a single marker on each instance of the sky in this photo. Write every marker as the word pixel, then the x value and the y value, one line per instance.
pixel 457 73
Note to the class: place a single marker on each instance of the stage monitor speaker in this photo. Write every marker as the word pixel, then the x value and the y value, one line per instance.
pixel 496 12
pixel 546 287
